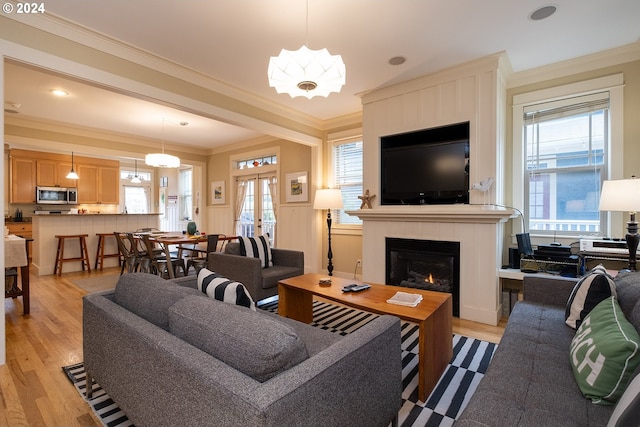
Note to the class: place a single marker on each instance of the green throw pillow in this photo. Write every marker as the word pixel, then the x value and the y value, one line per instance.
pixel 604 353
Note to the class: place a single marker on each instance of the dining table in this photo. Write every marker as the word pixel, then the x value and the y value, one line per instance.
pixel 16 250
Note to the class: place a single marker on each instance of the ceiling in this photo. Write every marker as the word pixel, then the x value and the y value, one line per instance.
pixel 232 40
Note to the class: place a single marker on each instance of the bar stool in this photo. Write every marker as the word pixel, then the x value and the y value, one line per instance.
pixel 100 255
pixel 84 253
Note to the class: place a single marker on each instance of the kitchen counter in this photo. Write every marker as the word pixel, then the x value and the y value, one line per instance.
pixel 46 227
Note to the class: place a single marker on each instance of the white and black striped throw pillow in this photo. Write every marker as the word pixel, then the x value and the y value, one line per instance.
pixel 257 247
pixel 591 290
pixel 223 289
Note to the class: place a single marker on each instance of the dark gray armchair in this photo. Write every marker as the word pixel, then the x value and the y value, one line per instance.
pixel 260 282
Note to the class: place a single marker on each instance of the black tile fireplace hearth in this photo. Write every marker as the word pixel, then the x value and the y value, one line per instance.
pixel 424 264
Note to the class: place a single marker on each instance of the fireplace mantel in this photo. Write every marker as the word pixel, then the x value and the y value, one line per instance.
pixel 470 214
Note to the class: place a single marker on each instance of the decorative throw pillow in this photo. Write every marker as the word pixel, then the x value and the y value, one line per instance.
pixel 593 288
pixel 223 289
pixel 604 353
pixel 627 411
pixel 257 247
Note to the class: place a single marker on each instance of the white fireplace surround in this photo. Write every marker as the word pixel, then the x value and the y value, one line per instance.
pixel 477 228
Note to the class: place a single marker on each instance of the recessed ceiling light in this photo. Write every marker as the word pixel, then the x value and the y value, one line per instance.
pixel 59 92
pixel 397 60
pixel 543 13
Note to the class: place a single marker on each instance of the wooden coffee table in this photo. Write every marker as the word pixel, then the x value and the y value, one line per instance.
pixel 433 316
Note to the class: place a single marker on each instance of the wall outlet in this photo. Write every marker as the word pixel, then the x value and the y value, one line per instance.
pixel 359 262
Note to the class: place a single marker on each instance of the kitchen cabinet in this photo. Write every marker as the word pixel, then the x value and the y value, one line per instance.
pixel 23 180
pixel 52 173
pixel 22 229
pixel 98 184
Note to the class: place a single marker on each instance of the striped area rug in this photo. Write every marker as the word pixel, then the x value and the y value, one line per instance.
pixel 470 360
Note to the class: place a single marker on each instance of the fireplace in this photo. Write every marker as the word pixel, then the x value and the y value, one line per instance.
pixel 424 264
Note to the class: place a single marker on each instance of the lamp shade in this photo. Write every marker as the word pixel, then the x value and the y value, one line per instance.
pixel 306 72
pixel 162 160
pixel 328 199
pixel 620 195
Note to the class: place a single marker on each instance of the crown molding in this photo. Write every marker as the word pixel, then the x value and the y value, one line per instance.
pixel 606 58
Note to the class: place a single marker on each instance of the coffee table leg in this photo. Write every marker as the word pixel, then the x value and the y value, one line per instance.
pixel 295 304
pixel 435 349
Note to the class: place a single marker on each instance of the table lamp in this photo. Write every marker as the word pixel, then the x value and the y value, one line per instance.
pixel 328 199
pixel 624 195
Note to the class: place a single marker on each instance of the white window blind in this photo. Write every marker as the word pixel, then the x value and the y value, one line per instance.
pixel 347 176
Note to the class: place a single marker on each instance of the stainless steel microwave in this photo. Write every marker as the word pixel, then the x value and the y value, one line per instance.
pixel 56 196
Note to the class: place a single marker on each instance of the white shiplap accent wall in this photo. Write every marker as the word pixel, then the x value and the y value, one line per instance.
pixel 473 92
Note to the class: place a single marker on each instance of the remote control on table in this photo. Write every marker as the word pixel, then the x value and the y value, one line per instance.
pixel 355 288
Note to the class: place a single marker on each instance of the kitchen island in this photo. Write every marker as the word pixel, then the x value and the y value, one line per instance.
pixel 46 227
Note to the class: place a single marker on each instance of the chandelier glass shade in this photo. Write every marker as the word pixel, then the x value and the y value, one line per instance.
pixel 162 160
pixel 306 72
pixel 136 179
pixel 72 173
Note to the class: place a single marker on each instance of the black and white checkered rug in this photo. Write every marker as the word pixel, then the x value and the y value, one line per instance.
pixel 470 360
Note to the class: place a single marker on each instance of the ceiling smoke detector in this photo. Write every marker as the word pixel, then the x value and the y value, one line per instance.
pixel 397 60
pixel 543 13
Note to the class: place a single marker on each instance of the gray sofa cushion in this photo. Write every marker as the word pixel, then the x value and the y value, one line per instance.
pixel 150 296
pixel 628 290
pixel 252 343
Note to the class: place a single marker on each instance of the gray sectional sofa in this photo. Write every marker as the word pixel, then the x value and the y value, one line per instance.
pixel 530 381
pixel 169 355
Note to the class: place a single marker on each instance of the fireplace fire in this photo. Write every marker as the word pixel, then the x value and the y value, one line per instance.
pixel 424 264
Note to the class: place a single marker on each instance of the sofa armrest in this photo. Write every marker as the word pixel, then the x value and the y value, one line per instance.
pixel 288 258
pixel 550 290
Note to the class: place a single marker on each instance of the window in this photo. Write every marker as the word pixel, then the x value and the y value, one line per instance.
pixel 347 176
pixel 186 194
pixel 566 144
pixel 571 142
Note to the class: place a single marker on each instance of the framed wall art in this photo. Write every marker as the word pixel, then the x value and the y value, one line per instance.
pixel 217 192
pixel 296 189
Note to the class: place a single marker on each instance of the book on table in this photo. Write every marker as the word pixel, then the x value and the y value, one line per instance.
pixel 405 298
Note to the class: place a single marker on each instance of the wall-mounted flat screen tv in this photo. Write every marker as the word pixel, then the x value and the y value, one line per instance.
pixel 429 166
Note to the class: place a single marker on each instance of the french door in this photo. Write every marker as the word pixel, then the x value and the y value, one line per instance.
pixel 258 212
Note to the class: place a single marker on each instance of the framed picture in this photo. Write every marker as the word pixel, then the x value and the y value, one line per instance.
pixel 297 187
pixel 217 192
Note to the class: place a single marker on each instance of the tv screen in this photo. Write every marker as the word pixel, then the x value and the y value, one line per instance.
pixel 423 168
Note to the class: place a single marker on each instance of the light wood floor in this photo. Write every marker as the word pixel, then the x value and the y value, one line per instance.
pixel 34 391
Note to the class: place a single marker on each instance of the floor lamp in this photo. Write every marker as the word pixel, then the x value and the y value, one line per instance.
pixel 328 199
pixel 624 196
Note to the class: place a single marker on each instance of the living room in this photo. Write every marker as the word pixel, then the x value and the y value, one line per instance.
pixel 303 144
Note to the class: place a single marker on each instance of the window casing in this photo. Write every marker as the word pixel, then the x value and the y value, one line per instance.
pixel 566 149
pixel 347 169
pixel 557 181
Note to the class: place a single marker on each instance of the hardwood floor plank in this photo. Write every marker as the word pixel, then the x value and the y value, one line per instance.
pixel 34 391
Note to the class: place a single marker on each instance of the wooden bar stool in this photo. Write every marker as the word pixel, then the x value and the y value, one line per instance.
pixel 84 253
pixel 100 255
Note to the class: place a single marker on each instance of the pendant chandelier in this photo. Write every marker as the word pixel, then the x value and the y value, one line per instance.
pixel 72 173
pixel 306 72
pixel 136 179
pixel 162 160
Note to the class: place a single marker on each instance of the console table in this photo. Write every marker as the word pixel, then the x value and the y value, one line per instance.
pixel 15 255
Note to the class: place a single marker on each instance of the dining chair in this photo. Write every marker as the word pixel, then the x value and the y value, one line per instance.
pixel 129 260
pixel 158 259
pixel 199 256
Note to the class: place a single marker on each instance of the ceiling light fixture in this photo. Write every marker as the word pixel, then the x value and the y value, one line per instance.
pixel 136 179
pixel 72 173
pixel 306 72
pixel 162 160
pixel 59 92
